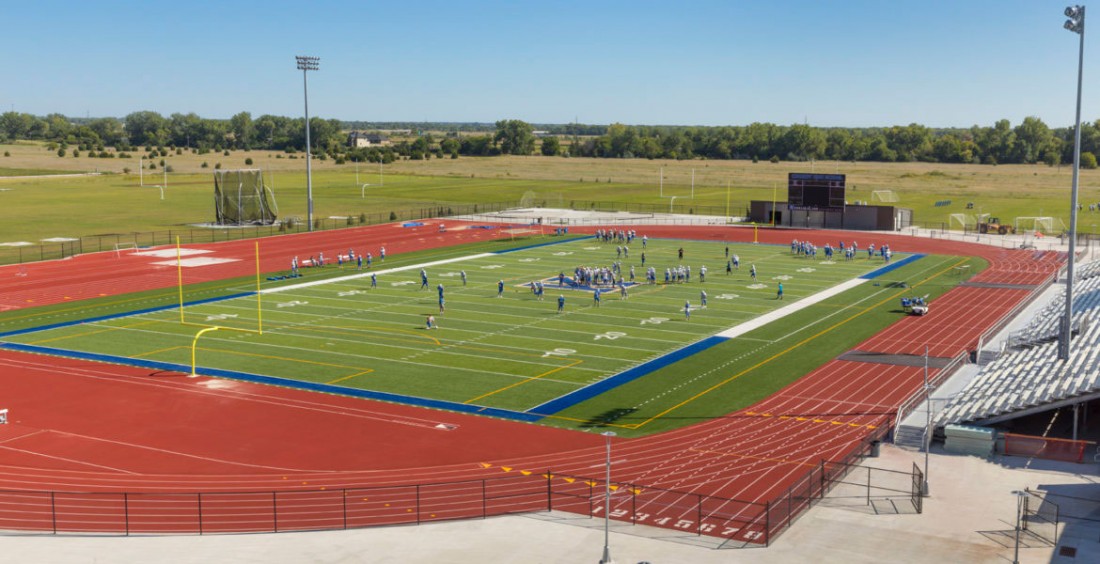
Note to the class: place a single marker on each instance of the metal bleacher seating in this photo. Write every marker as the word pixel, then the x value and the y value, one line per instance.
pixel 1046 325
pixel 1027 378
pixel 1031 375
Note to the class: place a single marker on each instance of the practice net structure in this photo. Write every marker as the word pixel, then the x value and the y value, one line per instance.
pixel 240 197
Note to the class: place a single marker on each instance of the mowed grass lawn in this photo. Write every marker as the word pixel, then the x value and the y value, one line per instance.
pixel 45 207
pixel 516 352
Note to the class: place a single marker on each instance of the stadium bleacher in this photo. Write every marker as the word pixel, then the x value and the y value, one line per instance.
pixel 1047 323
pixel 1030 374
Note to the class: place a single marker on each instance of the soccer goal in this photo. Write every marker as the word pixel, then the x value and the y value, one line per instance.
pixel 126 248
pixel 1046 225
pixel 961 219
pixel 885 196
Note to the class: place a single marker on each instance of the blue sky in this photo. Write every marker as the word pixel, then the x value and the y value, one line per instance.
pixel 848 63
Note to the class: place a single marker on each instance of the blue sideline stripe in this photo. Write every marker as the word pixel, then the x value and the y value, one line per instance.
pixel 123 314
pixel 588 392
pixel 273 380
pixel 892 266
pixel 536 245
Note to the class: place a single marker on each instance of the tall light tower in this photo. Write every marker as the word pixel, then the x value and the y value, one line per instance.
pixel 1076 24
pixel 306 64
pixel 606 559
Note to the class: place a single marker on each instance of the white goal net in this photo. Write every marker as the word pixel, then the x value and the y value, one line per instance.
pixel 1040 224
pixel 960 221
pixel 885 196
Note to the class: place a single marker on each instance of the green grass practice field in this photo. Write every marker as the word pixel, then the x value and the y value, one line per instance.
pixel 516 352
pixel 56 207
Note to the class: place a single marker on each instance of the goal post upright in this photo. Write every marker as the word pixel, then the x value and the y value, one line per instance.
pixel 179 276
pixel 194 346
pixel 259 300
pixel 259 307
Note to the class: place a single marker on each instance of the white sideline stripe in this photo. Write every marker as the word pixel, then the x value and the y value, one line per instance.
pixel 366 274
pixel 804 303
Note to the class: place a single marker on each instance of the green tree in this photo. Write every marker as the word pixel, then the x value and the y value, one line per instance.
pixel 16 125
pixel 244 134
pixel 1032 138
pixel 515 137
pixel 551 146
pixel 803 141
pixel 146 128
pixel 911 142
pixel 1088 160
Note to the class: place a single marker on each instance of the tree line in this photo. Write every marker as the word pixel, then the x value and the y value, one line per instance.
pixel 1031 141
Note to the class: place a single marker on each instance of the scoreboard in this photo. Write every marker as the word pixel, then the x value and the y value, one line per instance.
pixel 815 191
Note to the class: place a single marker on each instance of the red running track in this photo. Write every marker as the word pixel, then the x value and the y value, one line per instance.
pixel 111 274
pixel 151 452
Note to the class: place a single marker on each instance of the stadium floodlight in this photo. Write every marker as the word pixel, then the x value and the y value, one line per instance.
pixel 306 64
pixel 1076 24
pixel 607 503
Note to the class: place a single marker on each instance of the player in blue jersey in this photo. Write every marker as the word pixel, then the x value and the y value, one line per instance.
pixel 500 288
pixel 561 303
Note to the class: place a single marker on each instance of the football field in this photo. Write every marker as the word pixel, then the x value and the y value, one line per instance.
pixel 506 350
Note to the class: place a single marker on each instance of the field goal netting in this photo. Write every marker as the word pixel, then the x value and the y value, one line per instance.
pixel 1040 224
pixel 126 248
pixel 885 196
pixel 240 197
pixel 531 199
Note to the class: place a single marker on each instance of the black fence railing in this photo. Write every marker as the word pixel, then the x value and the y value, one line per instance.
pixel 215 233
pixel 737 523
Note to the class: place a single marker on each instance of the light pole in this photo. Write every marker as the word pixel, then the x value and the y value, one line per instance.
pixel 607 503
pixel 306 64
pixel 1019 515
pixel 927 422
pixel 1076 24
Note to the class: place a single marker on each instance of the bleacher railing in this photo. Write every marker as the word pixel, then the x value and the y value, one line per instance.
pixel 732 522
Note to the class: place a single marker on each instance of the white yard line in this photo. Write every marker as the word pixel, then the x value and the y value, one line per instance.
pixel 782 312
pixel 367 273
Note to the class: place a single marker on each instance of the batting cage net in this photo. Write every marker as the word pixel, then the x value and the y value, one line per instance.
pixel 240 197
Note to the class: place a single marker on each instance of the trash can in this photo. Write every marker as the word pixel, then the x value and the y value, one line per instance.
pixel 875 447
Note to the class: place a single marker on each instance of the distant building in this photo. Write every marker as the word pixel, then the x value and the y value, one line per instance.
pixel 358 139
pixel 540 134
